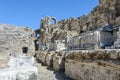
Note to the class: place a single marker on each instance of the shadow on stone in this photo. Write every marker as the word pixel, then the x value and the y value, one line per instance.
pixel 61 76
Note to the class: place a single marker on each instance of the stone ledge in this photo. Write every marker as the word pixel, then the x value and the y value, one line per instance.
pixel 94 54
pixel 86 64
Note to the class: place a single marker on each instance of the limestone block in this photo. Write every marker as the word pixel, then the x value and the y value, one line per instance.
pixel 91 71
pixel 59 61
pixel 93 64
pixel 21 61
pixel 3 59
pixel 49 58
pixel 117 21
pixel 93 54
pixel 113 54
pixel 42 56
pixel 73 24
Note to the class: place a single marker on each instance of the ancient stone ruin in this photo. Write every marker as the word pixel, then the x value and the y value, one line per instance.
pixel 16 51
pixel 83 48
pixel 97 30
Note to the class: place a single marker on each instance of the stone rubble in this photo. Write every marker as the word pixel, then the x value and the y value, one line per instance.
pixel 103 19
pixel 20 69
pixel 14 38
pixel 83 48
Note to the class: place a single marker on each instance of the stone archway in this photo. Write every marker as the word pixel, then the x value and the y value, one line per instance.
pixel 54 19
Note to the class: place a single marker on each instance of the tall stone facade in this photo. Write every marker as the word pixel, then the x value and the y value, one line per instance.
pixel 85 48
pixel 106 13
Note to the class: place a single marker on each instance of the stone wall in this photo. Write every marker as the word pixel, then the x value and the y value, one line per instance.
pixel 85 64
pixel 19 73
pixel 93 65
pixel 99 39
pixel 88 40
pixel 52 59
pixel 107 12
pixel 14 38
pixel 106 38
pixel 57 45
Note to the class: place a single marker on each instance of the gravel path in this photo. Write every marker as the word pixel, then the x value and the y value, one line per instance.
pixel 45 74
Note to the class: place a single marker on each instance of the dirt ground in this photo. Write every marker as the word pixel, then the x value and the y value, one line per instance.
pixel 48 74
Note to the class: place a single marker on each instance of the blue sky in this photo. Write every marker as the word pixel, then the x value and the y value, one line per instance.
pixel 29 12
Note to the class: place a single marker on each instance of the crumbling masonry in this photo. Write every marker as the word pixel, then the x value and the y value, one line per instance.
pixel 85 48
pixel 97 30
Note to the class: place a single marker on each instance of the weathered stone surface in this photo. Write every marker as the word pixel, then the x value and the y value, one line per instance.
pixel 23 60
pixel 53 59
pixel 91 71
pixel 57 45
pixel 107 12
pixel 49 58
pixel 19 73
pixel 45 58
pixel 87 40
pixel 21 68
pixel 93 64
pixel 14 38
pixel 59 61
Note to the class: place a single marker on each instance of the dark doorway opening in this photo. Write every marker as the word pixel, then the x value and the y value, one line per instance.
pixel 36 45
pixel 25 50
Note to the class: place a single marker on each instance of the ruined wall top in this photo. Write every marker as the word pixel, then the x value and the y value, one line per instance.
pixel 106 12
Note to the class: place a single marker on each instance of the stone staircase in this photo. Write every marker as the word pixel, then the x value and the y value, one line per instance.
pixel 21 68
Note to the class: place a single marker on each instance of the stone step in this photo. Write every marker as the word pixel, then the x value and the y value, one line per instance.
pixel 19 73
